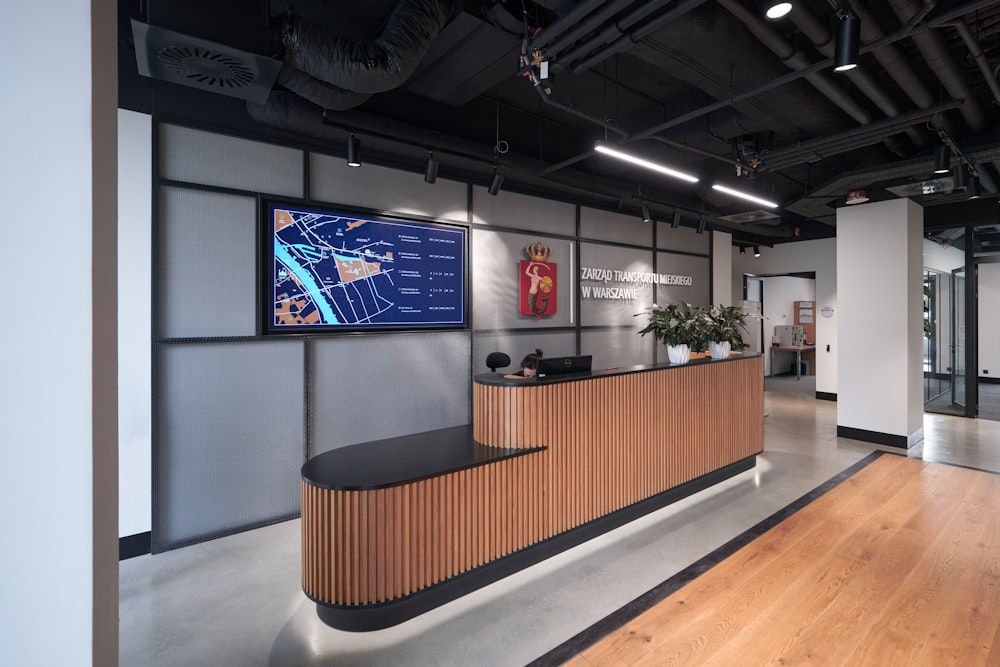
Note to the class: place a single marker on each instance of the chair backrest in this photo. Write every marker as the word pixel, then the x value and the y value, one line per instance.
pixel 495 360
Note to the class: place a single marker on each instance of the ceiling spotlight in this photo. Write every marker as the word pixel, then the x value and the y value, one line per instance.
pixel 942 159
pixel 756 251
pixel 847 45
pixel 701 225
pixel 744 195
pixel 646 217
pixel 431 170
pixel 960 173
pixel 776 10
pixel 496 183
pixel 628 157
pixel 972 188
pixel 353 151
pixel 743 250
pixel 676 222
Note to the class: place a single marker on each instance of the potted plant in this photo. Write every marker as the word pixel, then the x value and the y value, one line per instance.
pixel 725 330
pixel 680 326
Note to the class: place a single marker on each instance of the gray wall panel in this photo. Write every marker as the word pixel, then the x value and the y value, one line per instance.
pixel 619 347
pixel 510 209
pixel 230 437
pixel 368 388
pixel 385 189
pixel 496 280
pixel 607 226
pixel 195 156
pixel 207 264
pixel 595 310
pixel 700 270
pixel 682 239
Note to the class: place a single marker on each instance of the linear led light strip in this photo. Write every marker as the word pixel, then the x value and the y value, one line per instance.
pixel 627 157
pixel 743 195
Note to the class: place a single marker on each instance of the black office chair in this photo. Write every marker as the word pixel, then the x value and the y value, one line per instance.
pixel 495 360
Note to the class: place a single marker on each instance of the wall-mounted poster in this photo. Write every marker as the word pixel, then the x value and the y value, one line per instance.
pixel 538 282
pixel 330 270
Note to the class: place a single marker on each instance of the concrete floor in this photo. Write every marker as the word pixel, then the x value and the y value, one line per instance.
pixel 237 601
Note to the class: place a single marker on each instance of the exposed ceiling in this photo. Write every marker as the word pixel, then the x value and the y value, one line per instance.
pixel 708 86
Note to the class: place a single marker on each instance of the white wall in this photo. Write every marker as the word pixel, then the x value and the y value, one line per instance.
pixel 58 424
pixel 134 320
pixel 820 257
pixel 879 269
pixel 989 320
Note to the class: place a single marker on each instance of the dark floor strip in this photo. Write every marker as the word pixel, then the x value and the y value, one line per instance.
pixel 616 619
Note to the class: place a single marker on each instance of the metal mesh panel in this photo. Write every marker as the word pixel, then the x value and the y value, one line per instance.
pixel 682 239
pixel 403 192
pixel 374 387
pixel 497 278
pixel 230 438
pixel 618 348
pixel 207 264
pixel 195 156
pixel 609 302
pixel 606 226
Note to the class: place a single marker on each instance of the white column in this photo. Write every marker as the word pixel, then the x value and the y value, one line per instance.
pixel 58 421
pixel 880 322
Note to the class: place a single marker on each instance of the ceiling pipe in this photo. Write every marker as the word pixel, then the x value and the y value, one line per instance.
pixel 622 41
pixel 977 54
pixel 941 63
pixel 566 40
pixel 811 151
pixel 563 23
pixel 822 38
pixel 795 60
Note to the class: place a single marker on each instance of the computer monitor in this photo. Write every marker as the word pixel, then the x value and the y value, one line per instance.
pixel 556 365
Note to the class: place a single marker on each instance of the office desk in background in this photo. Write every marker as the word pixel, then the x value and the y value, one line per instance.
pixel 797 350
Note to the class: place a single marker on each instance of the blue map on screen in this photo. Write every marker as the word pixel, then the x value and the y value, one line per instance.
pixel 340 270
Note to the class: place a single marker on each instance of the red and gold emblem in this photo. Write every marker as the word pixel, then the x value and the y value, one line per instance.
pixel 538 282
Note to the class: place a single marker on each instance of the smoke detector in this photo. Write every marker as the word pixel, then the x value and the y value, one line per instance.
pixel 170 56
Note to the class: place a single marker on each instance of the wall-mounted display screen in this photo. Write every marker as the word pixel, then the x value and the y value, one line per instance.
pixel 328 270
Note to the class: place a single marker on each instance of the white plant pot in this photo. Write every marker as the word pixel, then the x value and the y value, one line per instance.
pixel 678 354
pixel 719 349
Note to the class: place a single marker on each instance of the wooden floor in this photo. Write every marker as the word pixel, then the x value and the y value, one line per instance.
pixel 898 565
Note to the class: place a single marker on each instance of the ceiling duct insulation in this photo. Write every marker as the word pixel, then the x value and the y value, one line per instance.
pixel 339 73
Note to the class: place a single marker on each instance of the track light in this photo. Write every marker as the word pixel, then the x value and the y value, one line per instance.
pixel 431 170
pixel 756 251
pixel 942 159
pixel 646 217
pixel 628 157
pixel 743 250
pixel 701 225
pixel 676 222
pixel 353 151
pixel 972 189
pixel 496 183
pixel 776 10
pixel 744 195
pixel 846 48
pixel 960 173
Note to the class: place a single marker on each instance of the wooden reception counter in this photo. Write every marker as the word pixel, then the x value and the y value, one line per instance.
pixel 394 528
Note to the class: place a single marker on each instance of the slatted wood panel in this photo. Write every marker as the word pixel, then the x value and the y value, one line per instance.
pixel 611 442
pixel 899 565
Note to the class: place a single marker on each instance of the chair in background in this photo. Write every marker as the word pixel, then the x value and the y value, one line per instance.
pixel 495 360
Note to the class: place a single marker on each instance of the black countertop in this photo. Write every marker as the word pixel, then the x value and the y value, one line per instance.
pixel 498 379
pixel 408 458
